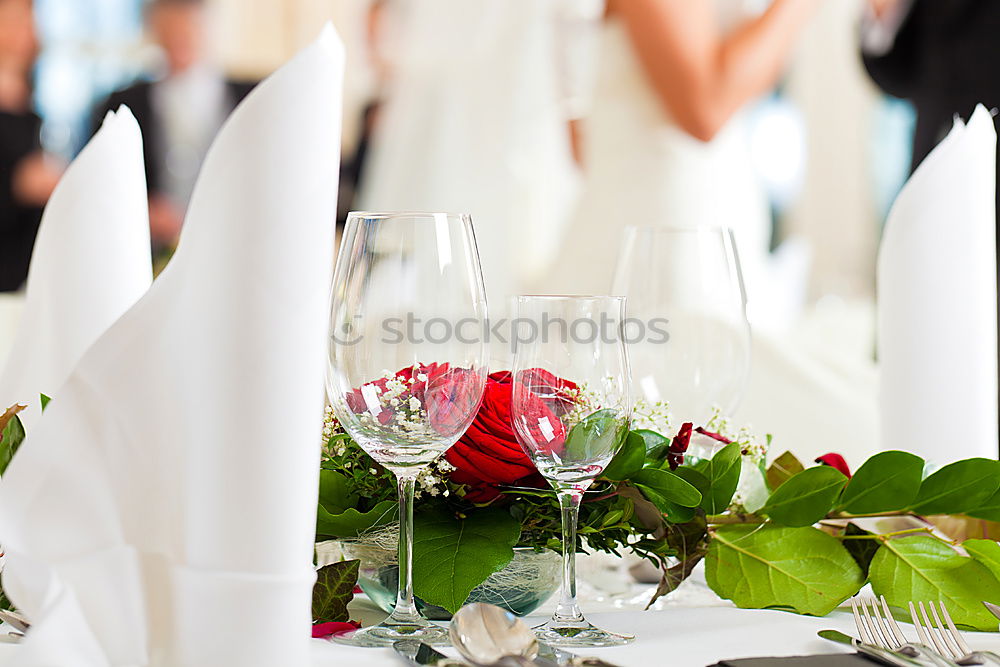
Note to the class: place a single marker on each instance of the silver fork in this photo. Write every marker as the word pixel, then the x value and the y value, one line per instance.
pixel 880 628
pixel 950 643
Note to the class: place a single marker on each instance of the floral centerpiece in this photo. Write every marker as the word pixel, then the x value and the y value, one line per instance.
pixel 786 536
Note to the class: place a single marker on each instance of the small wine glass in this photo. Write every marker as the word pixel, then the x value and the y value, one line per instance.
pixel 570 410
pixel 407 363
pixel 688 334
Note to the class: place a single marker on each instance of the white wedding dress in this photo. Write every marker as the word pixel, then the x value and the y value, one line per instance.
pixel 474 121
pixel 642 169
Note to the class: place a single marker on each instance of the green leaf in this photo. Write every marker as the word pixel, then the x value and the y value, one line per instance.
pixel 11 437
pixel 959 487
pixel 333 492
pixel 333 589
pixel 986 552
pixel 802 569
pixel 886 482
pixel 805 498
pixel 351 522
pixel 861 550
pixel 629 458
pixel 597 434
pixel 989 510
pixel 452 556
pixel 924 568
pixel 45 401
pixel 783 469
pixel 669 485
pixel 723 474
pixel 656 445
pixel 674 513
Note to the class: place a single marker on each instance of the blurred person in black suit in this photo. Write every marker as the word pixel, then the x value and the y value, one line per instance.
pixel 179 113
pixel 941 55
pixel 27 175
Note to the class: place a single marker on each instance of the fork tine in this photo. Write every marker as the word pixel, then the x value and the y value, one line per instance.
pixel 862 629
pixel 963 647
pixel 891 622
pixel 916 623
pixel 946 638
pixel 884 636
pixel 930 631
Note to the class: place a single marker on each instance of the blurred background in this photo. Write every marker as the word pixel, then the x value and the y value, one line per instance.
pixel 524 113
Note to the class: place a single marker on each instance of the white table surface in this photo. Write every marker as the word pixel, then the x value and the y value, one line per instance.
pixel 691 628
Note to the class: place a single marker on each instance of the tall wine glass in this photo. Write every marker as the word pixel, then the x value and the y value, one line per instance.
pixel 688 334
pixel 407 362
pixel 570 410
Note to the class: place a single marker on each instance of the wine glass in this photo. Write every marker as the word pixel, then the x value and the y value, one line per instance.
pixel 407 362
pixel 688 334
pixel 570 410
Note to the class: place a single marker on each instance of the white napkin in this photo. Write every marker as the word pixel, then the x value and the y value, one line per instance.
pixel 90 264
pixel 937 302
pixel 163 511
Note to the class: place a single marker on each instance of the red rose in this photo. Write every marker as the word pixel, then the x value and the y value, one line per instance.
pixel 835 461
pixel 451 397
pixel 679 445
pixel 488 455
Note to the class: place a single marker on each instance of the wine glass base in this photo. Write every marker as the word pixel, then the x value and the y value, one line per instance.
pixel 581 634
pixel 384 634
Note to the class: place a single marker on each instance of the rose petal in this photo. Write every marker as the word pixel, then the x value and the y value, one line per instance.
pixel 333 629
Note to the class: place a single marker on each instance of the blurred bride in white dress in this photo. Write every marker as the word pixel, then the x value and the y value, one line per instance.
pixel 476 120
pixel 665 142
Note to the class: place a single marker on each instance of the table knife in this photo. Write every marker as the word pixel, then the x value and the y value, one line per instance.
pixel 994 609
pixel 419 653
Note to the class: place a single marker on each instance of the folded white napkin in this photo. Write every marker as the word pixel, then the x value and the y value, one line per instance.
pixel 937 302
pixel 90 264
pixel 163 510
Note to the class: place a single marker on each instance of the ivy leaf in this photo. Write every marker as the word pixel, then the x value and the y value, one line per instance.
pixel 629 458
pixel 333 589
pixel 924 568
pixel 783 469
pixel 861 550
pixel 805 498
pixel 723 474
pixel 11 435
pixel 802 569
pixel 886 482
pixel 351 523
pixel 989 510
pixel 958 487
pixel 986 552
pixel 451 557
pixel 669 486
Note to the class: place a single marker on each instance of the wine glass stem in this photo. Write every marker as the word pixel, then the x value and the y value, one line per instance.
pixel 406 610
pixel 569 503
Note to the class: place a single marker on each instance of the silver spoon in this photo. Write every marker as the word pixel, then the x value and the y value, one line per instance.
pixel 489 636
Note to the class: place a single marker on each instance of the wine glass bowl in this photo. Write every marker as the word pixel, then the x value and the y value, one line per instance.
pixel 685 291
pixel 407 362
pixel 570 409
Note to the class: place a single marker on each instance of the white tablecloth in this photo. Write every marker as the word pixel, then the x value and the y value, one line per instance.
pixel 691 628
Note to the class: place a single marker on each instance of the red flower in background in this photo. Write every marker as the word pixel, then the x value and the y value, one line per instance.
pixel 488 455
pixel 835 461
pixel 679 445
